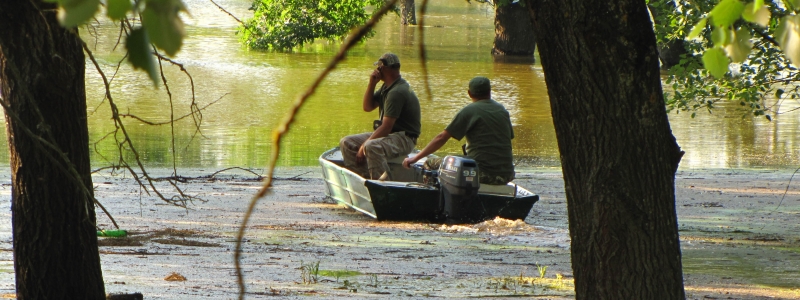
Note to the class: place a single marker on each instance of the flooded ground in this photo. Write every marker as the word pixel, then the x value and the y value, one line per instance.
pixel 740 240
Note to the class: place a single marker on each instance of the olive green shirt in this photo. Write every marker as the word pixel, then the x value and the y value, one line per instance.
pixel 399 101
pixel 487 126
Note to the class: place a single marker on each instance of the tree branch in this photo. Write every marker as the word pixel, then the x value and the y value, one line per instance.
pixel 277 135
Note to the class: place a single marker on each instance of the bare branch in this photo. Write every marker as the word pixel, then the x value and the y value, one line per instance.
pixel 227 12
pixel 283 128
pixel 132 116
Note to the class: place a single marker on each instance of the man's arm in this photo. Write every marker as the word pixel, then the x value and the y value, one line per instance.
pixel 436 143
pixel 385 129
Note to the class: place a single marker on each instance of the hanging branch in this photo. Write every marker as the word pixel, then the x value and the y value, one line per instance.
pixel 62 162
pixel 422 56
pixel 124 143
pixel 227 12
pixel 153 123
pixel 283 128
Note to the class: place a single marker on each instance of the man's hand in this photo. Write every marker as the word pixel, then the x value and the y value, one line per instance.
pixel 375 77
pixel 361 157
pixel 408 162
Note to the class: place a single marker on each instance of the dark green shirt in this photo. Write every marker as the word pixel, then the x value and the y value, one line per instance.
pixel 399 101
pixel 487 126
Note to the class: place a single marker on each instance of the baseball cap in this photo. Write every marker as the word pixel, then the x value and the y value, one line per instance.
pixel 480 85
pixel 388 59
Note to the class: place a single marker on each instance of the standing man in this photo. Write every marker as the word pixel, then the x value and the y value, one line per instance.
pixel 487 126
pixel 397 129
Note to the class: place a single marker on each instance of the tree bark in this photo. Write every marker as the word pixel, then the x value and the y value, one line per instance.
pixel 512 31
pixel 42 72
pixel 408 14
pixel 618 154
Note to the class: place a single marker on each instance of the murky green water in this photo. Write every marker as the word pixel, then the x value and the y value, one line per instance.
pixel 256 89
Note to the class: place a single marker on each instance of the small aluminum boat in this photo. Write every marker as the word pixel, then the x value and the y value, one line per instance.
pixel 407 198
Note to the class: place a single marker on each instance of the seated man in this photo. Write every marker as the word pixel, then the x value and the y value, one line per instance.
pixel 395 133
pixel 487 126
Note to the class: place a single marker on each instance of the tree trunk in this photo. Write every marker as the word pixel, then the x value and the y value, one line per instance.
pixel 53 219
pixel 618 154
pixel 408 13
pixel 512 31
pixel 670 53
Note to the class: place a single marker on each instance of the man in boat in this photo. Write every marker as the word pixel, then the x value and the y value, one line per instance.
pixel 395 133
pixel 487 126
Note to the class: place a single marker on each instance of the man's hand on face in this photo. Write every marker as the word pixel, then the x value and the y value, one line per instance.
pixel 376 75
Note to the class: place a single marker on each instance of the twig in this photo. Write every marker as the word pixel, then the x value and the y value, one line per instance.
pixel 231 168
pixel 127 141
pixel 132 116
pixel 225 11
pixel 785 192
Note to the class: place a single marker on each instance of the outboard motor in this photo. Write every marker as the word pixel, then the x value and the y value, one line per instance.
pixel 458 186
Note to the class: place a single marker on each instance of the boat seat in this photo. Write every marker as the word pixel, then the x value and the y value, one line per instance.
pixel 498 189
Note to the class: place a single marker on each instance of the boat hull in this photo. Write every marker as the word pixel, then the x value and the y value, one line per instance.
pixel 409 200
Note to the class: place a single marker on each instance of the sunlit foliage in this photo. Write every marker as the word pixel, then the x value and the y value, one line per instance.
pixel 285 24
pixel 736 50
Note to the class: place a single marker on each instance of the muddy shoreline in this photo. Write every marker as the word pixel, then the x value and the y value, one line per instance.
pixel 739 232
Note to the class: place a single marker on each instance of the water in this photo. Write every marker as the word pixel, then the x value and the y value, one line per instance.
pixel 255 91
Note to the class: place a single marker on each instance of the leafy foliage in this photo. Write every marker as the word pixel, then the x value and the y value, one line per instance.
pixel 752 57
pixel 161 25
pixel 285 24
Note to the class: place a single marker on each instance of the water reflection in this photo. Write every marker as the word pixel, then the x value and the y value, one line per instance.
pixel 256 90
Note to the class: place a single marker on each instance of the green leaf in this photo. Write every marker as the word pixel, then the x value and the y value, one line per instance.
pixel 721 36
pixel 757 4
pixel 140 54
pixel 740 47
pixel 116 9
pixel 164 27
pixel 716 62
pixel 788 36
pixel 726 12
pixel 72 13
pixel 698 28
pixel 760 16
pixel 779 93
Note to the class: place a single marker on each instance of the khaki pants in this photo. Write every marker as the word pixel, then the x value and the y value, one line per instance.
pixel 378 152
pixel 434 163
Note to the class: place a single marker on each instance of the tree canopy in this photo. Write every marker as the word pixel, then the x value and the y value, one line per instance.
pixel 743 52
pixel 285 24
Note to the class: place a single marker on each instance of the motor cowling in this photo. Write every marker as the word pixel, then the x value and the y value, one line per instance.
pixel 458 185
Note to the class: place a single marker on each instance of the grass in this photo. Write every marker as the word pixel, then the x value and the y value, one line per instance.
pixel 309 273
pixel 337 274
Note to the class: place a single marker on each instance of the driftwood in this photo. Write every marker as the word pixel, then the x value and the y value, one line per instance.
pixel 134 296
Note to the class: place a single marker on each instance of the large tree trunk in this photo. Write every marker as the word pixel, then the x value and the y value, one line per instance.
pixel 53 219
pixel 512 31
pixel 618 154
pixel 408 13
